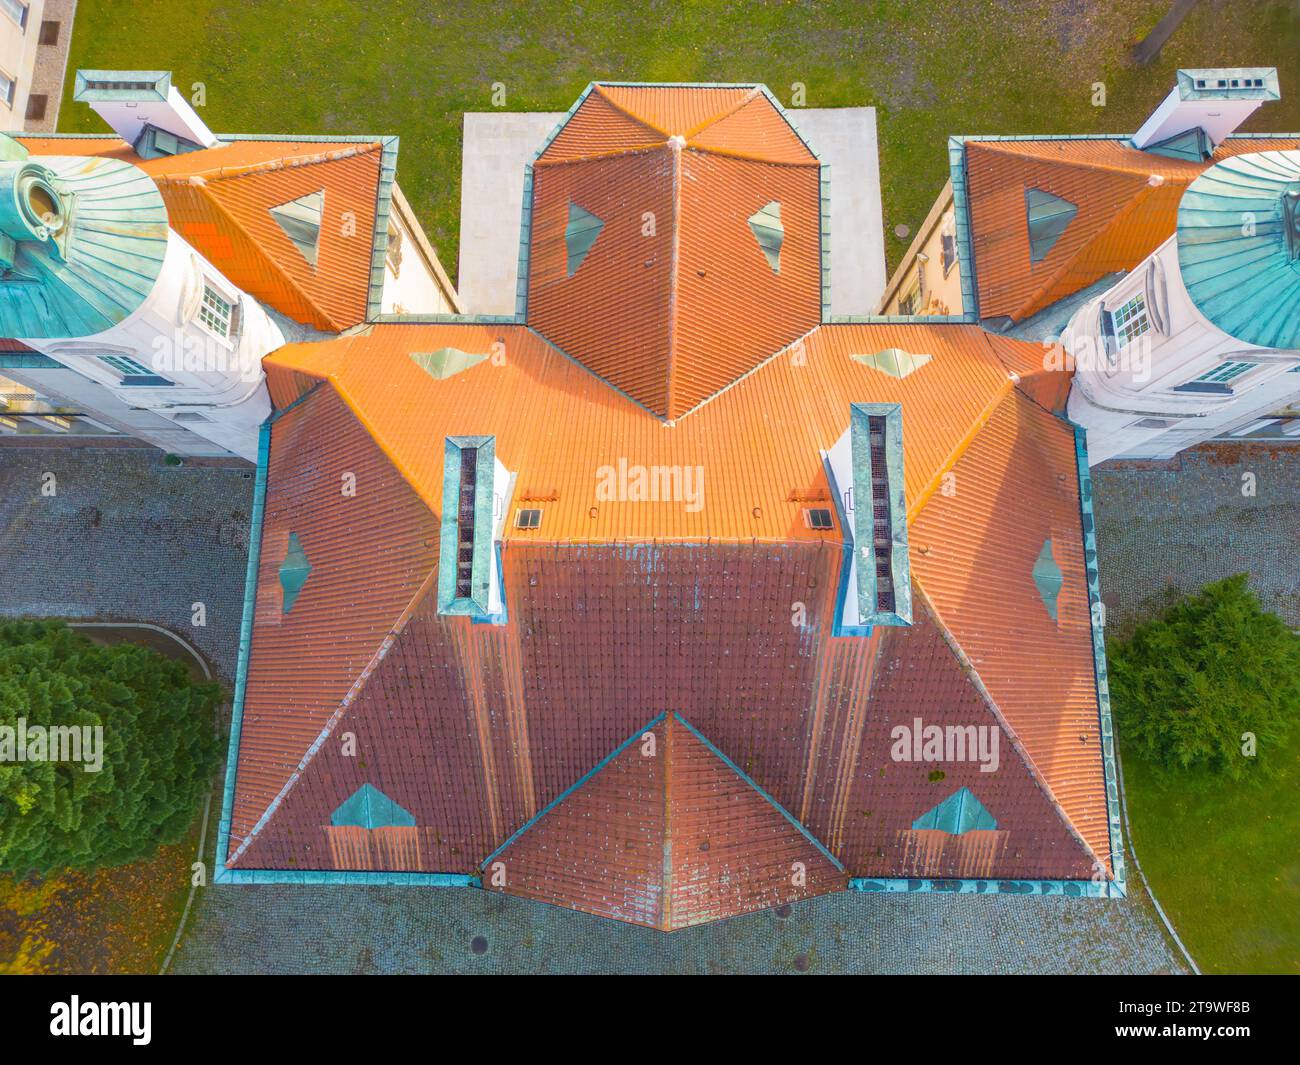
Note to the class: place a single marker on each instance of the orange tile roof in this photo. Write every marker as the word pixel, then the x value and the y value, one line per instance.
pixel 219 200
pixel 1127 203
pixel 760 444
pixel 676 298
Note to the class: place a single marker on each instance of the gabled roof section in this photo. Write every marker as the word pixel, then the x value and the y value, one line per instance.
pixel 666 833
pixel 222 201
pixel 1126 200
pixel 673 238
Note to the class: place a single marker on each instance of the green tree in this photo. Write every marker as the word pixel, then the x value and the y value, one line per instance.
pixel 1190 684
pixel 159 749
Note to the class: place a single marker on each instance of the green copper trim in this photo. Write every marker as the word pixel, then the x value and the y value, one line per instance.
pixel 1228 83
pixel 1193 145
pixel 1239 248
pixel 1100 889
pixel 1096 611
pixel 869 612
pixel 476 604
pixel 28 360
pixel 445 362
pixel 121 86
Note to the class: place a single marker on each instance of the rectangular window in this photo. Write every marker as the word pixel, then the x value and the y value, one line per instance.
pixel 911 302
pixel 16 10
pixel 215 312
pixel 819 518
pixel 1226 371
pixel 948 242
pixel 1130 320
pixel 528 519
pixel 133 374
pixel 7 89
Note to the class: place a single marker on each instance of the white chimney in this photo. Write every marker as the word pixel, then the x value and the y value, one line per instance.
pixel 1214 100
pixel 131 101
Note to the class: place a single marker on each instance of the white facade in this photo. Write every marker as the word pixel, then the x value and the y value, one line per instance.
pixel 20 22
pixel 1169 378
pixel 202 340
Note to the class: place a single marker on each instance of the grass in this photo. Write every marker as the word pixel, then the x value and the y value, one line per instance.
pixel 412 68
pixel 1224 861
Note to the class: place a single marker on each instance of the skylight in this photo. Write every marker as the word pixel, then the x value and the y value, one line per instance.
pixel 368 807
pixel 301 221
pixel 765 223
pixel 294 571
pixel 960 812
pixel 580 234
pixel 1048 216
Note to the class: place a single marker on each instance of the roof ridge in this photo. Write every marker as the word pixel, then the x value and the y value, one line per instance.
pixel 599 90
pixel 1082 164
pixel 613 153
pixel 226 173
pixel 751 94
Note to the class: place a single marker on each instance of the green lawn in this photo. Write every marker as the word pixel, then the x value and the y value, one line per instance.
pixel 413 68
pixel 1225 865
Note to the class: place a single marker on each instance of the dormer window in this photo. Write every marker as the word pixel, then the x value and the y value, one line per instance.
pixel 216 312
pixel 1218 380
pixel 1130 320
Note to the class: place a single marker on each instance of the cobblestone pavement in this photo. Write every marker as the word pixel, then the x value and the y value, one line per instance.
pixel 274 929
pixel 1161 530
pixel 129 538
pixel 126 538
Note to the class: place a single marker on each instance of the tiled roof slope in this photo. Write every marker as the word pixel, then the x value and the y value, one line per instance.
pixel 219 200
pixel 676 297
pixel 648 608
pixel 666 834
pixel 1127 202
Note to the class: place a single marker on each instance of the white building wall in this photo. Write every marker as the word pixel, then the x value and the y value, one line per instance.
pixel 414 280
pixel 18 47
pixel 1113 395
pixel 217 388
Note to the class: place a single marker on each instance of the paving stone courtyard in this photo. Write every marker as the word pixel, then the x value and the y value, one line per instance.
pixel 127 538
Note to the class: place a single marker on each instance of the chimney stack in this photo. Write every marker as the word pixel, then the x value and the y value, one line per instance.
pixel 1204 107
pixel 140 105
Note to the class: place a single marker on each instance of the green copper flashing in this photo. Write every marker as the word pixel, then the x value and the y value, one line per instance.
pixel 1239 248
pixel 1096 610
pixel 83 242
pixel 465 557
pixel 580 234
pixel 368 807
pixel 121 86
pixel 445 362
pixel 1077 888
pixel 1047 216
pixel 893 361
pixel 1048 578
pixel 883 568
pixel 959 813
pixel 765 224
pixel 294 571
pixel 28 360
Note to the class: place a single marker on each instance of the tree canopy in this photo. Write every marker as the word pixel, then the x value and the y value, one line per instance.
pixel 1212 684
pixel 156 749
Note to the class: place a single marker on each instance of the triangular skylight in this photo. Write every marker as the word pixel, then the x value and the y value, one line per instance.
pixel 1048 216
pixel 893 361
pixel 368 807
pixel 294 571
pixel 1048 578
pixel 301 219
pixel 770 234
pixel 445 362
pixel 580 234
pixel 959 812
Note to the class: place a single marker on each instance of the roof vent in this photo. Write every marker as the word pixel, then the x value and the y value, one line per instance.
pixel 893 361
pixel 294 571
pixel 880 515
pixel 1048 216
pixel 1215 101
pixel 368 807
pixel 959 813
pixel 476 492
